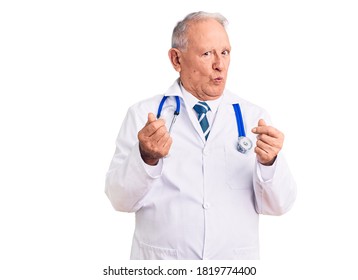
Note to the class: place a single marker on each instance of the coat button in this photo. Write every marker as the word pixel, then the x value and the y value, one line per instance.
pixel 206 205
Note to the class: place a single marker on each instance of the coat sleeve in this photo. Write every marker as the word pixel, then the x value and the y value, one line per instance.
pixel 128 179
pixel 276 195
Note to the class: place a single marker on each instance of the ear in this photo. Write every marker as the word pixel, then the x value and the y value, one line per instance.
pixel 174 57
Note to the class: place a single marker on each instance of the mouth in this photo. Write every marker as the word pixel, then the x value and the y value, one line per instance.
pixel 218 80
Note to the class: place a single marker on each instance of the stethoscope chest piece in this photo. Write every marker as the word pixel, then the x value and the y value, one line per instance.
pixel 244 144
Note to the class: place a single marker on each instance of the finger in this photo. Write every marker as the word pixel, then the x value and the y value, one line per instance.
pixel 152 127
pixel 161 148
pixel 162 137
pixel 260 152
pixel 158 134
pixel 166 143
pixel 262 122
pixel 268 130
pixel 265 147
pixel 151 118
pixel 272 141
pixel 263 157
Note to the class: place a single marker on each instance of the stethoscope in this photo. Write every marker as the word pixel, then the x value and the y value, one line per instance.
pixel 244 143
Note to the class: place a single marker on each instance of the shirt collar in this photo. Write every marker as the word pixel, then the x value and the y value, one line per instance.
pixel 191 100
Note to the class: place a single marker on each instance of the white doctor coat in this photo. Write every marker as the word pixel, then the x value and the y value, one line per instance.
pixel 204 200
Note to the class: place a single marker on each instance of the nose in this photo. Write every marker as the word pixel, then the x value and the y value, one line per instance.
pixel 218 63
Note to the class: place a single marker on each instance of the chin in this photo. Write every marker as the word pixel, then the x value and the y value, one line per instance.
pixel 217 91
pixel 215 95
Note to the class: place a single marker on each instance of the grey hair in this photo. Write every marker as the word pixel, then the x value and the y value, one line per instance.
pixel 179 37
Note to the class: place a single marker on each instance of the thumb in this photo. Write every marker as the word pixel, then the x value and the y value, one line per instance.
pixel 261 122
pixel 151 118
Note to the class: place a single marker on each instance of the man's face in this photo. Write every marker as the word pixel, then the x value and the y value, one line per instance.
pixel 205 62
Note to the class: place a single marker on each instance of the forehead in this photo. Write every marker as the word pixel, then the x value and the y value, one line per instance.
pixel 207 32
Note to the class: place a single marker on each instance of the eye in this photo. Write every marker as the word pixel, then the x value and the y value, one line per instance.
pixel 207 53
pixel 225 53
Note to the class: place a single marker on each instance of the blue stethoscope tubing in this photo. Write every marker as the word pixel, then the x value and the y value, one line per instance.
pixel 239 121
pixel 176 112
pixel 242 147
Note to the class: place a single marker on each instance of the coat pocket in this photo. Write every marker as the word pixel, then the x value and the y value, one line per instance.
pixel 148 252
pixel 238 168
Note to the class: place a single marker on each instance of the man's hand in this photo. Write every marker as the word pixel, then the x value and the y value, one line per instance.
pixel 269 142
pixel 154 140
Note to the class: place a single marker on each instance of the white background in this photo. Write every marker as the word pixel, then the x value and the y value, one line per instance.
pixel 70 69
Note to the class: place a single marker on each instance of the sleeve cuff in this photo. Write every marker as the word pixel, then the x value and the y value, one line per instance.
pixel 266 173
pixel 154 171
